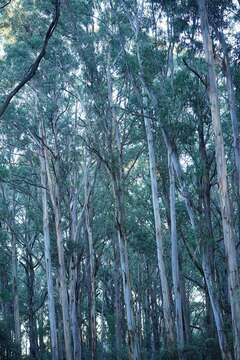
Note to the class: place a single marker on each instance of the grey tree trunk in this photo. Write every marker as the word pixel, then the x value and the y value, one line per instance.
pixel 227 221
pixel 55 199
pixel 168 318
pixel 133 343
pixel 73 309
pixel 117 301
pixel 17 331
pixel 92 295
pixel 73 266
pixel 117 180
pixel 159 240
pixel 207 246
pixel 232 107
pixel 32 325
pixel 175 264
pixel 48 261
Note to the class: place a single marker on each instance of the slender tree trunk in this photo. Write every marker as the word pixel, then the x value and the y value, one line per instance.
pixel 187 198
pixel 234 120
pixel 156 318
pixel 34 351
pixel 91 268
pixel 117 179
pixel 175 264
pixel 42 348
pixel 207 243
pixel 73 309
pixel 48 262
pixel 133 344
pixel 55 199
pixel 117 303
pixel 168 319
pixel 17 331
pixel 232 107
pixel 73 269
pixel 186 310
pixel 227 221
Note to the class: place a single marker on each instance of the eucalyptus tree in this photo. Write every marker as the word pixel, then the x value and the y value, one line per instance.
pixel 110 148
pixel 227 218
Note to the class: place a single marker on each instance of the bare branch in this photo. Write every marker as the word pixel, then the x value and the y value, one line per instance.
pixel 34 67
pixel 4 5
pixel 195 72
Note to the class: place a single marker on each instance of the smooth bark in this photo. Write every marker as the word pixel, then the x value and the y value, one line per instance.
pixel 227 221
pixel 175 263
pixel 53 184
pixel 117 180
pixel 16 314
pixel 48 261
pixel 92 296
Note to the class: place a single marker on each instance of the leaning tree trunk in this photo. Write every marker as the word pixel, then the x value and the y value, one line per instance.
pixel 48 262
pixel 175 264
pixel 227 221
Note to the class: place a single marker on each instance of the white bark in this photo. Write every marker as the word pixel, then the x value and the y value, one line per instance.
pixel 232 108
pixel 91 265
pixel 48 262
pixel 159 239
pixel 175 263
pixel 168 318
pixel 116 174
pixel 55 199
pixel 17 331
pixel 227 221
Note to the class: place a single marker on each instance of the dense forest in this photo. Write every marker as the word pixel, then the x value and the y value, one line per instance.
pixel 119 180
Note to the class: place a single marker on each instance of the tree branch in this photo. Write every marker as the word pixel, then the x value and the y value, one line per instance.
pixel 194 71
pixel 34 67
pixel 4 5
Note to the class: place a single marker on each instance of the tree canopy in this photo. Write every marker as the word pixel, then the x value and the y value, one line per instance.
pixel 119 180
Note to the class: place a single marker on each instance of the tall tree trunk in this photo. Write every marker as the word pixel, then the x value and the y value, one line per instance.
pixel 33 340
pixel 73 309
pixel 42 348
pixel 55 199
pixel 92 300
pixel 234 120
pixel 232 107
pixel 207 244
pixel 227 221
pixel 48 261
pixel 168 319
pixel 175 264
pixel 74 261
pixel 133 344
pixel 167 313
pixel 117 180
pixel 17 331
pixel 117 301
